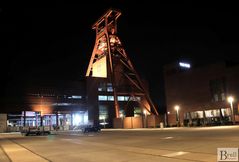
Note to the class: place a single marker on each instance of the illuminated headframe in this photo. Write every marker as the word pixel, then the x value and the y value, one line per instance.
pixel 109 60
pixel 106 41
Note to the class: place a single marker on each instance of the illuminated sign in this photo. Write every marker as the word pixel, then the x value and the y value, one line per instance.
pixel 185 65
pixel 29 113
pixel 100 68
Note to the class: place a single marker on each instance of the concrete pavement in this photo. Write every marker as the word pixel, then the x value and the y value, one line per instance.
pixel 117 145
pixel 11 151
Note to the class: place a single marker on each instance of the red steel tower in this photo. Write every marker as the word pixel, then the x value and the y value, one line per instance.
pixel 110 61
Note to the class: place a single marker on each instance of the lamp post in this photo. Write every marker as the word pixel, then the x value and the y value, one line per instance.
pixel 145 119
pixel 177 114
pixel 230 99
pixel 104 121
pixel 166 118
pixel 122 120
pixel 42 116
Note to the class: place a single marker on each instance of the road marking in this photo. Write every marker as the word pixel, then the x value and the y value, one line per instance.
pixel 171 154
pixel 3 155
pixel 90 135
pixel 72 141
pixel 167 138
pixel 176 154
pixel 66 139
pixel 17 152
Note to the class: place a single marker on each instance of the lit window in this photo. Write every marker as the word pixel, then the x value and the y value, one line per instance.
pixel 120 98
pixel 135 98
pixel 223 96
pixel 103 112
pixel 77 97
pixel 109 87
pixel 226 112
pixel 126 98
pixel 215 97
pixel 61 104
pixel 137 111
pixel 102 98
pixel 110 98
pixel 184 65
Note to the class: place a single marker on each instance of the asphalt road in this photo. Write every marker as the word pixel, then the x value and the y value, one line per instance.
pixel 151 145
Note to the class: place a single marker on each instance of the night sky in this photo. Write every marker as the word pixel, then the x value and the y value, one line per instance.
pixel 55 41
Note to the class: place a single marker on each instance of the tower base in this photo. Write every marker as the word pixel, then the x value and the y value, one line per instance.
pixel 149 121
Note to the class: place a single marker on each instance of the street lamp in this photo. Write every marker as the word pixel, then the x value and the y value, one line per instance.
pixel 42 115
pixel 104 121
pixel 230 99
pixel 145 119
pixel 166 118
pixel 122 120
pixel 177 114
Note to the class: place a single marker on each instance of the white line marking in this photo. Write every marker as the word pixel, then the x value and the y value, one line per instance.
pixel 167 138
pixel 176 154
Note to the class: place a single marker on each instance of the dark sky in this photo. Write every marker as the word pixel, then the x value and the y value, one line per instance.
pixel 55 41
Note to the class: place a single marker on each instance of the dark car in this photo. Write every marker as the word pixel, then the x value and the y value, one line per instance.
pixel 91 129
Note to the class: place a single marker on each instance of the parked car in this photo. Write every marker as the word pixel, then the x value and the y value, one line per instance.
pixel 35 131
pixel 91 128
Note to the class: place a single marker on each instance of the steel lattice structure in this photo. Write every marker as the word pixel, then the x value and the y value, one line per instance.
pixel 109 55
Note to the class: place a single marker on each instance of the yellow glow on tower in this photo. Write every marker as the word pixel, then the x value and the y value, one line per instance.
pixel 100 68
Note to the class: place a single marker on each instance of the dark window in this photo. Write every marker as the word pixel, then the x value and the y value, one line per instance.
pixel 218 89
pixel 102 87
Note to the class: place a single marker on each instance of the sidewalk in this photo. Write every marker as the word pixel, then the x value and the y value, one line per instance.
pixel 3 155
pixel 10 151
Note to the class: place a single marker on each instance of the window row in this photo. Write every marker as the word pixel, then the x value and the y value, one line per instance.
pixel 120 98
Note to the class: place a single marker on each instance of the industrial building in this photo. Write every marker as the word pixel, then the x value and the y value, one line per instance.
pixel 112 94
pixel 202 94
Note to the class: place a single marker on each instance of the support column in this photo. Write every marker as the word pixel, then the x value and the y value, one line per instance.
pixel 36 116
pixel 221 117
pixel 204 118
pixel 24 118
pixel 50 124
pixel 71 118
pixel 41 121
pixel 57 123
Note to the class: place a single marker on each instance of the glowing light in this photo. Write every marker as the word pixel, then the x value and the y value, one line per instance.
pixel 76 119
pixel 176 107
pixel 100 68
pixel 230 99
pixel 145 112
pixel 86 117
pixel 185 65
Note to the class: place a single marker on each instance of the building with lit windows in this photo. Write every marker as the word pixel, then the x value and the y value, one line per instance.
pixel 67 104
pixel 46 103
pixel 198 95
pixel 113 94
pixel 101 102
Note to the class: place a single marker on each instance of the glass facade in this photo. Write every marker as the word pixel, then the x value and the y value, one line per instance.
pixel 208 117
pixel 120 98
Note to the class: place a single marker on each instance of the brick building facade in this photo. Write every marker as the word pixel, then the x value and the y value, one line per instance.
pixel 201 93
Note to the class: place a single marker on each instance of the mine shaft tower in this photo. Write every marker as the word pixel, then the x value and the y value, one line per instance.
pixel 109 60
